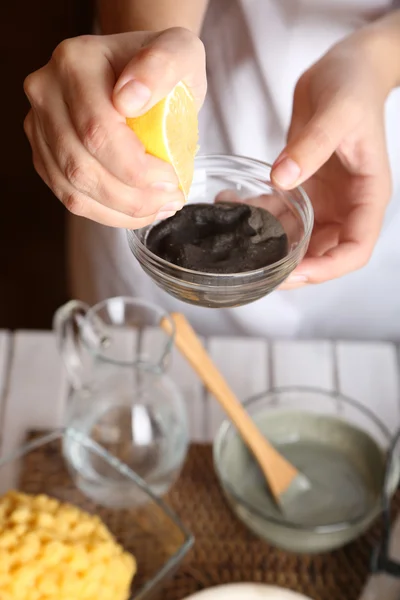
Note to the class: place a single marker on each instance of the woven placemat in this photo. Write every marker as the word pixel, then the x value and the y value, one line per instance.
pixel 225 551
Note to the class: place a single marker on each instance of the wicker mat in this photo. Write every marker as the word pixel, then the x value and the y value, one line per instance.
pixel 224 550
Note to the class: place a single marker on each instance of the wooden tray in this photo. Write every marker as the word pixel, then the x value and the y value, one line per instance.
pixel 225 551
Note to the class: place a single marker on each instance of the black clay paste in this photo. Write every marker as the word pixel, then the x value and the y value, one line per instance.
pixel 219 238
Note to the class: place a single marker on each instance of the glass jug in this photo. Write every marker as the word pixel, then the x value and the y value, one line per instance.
pixel 116 354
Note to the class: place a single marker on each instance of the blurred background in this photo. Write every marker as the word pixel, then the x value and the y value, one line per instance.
pixel 32 265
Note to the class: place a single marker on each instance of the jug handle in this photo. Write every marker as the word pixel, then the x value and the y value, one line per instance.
pixel 72 329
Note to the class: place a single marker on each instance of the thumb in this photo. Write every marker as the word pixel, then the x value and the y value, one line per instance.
pixel 166 59
pixel 311 147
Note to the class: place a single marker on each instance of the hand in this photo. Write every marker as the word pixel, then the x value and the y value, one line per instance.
pixel 336 144
pixel 82 147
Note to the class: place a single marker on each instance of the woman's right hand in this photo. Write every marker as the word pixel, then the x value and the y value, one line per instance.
pixel 81 145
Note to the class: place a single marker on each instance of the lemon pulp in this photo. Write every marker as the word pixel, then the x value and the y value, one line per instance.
pixel 169 131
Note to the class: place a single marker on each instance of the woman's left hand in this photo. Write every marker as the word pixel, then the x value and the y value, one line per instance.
pixel 336 144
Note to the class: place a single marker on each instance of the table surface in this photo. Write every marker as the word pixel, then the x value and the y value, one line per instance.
pixel 34 388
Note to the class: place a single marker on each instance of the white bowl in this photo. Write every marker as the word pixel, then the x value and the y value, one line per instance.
pixel 247 591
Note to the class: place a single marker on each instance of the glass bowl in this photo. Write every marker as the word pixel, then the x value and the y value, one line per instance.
pixel 148 529
pixel 331 439
pixel 249 180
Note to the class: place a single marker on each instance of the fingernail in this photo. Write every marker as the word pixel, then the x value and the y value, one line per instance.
pixel 286 173
pixel 165 214
pixel 297 279
pixel 165 186
pixel 133 96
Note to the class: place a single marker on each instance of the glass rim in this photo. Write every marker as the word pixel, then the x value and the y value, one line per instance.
pixel 139 302
pixel 318 529
pixel 292 254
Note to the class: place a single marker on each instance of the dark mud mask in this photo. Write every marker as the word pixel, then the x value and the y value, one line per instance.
pixel 219 238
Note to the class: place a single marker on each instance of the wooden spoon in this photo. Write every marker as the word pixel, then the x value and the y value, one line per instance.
pixel 283 479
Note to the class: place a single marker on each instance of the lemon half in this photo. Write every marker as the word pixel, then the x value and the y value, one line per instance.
pixel 170 132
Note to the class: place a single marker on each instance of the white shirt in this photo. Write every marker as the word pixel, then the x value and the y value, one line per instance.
pixel 256 51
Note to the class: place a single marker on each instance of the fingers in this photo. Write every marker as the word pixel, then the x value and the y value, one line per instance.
pixel 310 148
pixel 342 260
pixel 318 127
pixel 85 87
pixel 89 177
pixel 355 243
pixel 166 59
pixel 83 143
pixel 75 201
pixel 29 128
pixel 336 112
